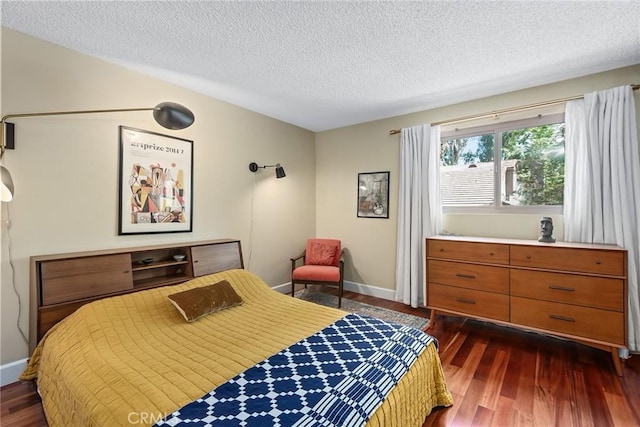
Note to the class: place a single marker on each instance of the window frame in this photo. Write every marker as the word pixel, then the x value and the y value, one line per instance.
pixel 497 129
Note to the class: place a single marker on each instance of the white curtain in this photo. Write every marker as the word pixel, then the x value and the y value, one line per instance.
pixel 419 208
pixel 602 182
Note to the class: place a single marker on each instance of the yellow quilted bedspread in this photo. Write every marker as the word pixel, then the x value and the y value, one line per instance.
pixel 132 359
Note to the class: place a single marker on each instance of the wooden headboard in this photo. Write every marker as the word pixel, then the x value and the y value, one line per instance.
pixel 61 283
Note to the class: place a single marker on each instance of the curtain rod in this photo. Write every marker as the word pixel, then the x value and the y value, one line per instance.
pixel 496 113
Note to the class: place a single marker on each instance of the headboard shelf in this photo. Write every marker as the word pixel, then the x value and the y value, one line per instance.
pixel 166 281
pixel 61 283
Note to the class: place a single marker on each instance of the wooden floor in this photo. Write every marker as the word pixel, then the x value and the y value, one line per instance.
pixel 498 377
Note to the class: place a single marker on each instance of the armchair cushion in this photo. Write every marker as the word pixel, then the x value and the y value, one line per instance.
pixel 322 273
pixel 322 252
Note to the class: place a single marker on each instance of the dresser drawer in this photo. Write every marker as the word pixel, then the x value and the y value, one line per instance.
pixel 569 259
pixel 468 251
pixel 469 301
pixel 471 276
pixel 598 292
pixel 591 323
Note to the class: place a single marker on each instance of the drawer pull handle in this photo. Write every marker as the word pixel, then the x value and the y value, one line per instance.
pixel 598 262
pixel 528 256
pixel 563 318
pixel 466 301
pixel 561 288
pixel 466 276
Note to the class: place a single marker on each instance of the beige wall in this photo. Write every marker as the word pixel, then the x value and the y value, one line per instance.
pixel 65 170
pixel 342 153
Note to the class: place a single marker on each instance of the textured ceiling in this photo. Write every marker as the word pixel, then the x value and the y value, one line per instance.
pixel 322 64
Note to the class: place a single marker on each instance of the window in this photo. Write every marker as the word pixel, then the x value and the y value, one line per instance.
pixel 520 164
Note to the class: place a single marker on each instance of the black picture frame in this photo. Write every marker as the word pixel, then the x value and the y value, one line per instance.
pixel 155 182
pixel 373 195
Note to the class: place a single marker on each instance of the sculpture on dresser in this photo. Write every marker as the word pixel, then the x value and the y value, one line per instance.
pixel 546 230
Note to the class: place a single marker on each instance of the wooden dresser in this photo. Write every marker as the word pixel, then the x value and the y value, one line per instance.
pixel 61 283
pixel 572 290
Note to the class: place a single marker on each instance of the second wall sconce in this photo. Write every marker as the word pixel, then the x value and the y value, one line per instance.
pixel 253 167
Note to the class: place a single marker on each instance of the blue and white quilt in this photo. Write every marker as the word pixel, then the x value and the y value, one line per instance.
pixel 335 377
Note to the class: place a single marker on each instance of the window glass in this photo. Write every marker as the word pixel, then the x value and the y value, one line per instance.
pixel 466 171
pixel 518 164
pixel 534 157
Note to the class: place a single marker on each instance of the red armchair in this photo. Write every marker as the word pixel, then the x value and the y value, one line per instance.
pixel 322 264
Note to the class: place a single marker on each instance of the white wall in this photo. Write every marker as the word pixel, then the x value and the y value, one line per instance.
pixel 65 170
pixel 342 153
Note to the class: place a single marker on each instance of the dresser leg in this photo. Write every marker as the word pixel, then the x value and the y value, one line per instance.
pixel 432 320
pixel 616 361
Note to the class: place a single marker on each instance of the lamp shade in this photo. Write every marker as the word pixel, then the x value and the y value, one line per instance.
pixel 173 116
pixel 280 171
pixel 6 191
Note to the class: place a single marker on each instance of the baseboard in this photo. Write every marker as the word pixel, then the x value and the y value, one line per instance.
pixel 285 288
pixel 374 291
pixel 10 372
pixel 360 288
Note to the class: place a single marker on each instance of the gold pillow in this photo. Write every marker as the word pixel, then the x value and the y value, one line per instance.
pixel 198 302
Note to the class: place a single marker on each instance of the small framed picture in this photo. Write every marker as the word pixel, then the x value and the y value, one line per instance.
pixel 155 183
pixel 373 195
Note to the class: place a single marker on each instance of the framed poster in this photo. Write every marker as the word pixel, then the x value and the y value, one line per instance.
pixel 155 183
pixel 373 195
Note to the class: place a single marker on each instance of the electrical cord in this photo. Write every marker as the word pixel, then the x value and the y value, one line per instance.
pixel 253 190
pixel 13 277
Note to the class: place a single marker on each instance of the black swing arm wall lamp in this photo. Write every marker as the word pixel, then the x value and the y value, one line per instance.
pixel 168 114
pixel 253 167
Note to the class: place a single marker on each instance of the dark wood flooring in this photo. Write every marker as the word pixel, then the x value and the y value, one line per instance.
pixel 498 376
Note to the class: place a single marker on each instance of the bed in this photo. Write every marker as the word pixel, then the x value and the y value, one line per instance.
pixel 134 360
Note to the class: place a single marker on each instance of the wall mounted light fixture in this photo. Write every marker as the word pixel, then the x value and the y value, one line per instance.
pixel 6 191
pixel 253 167
pixel 168 114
